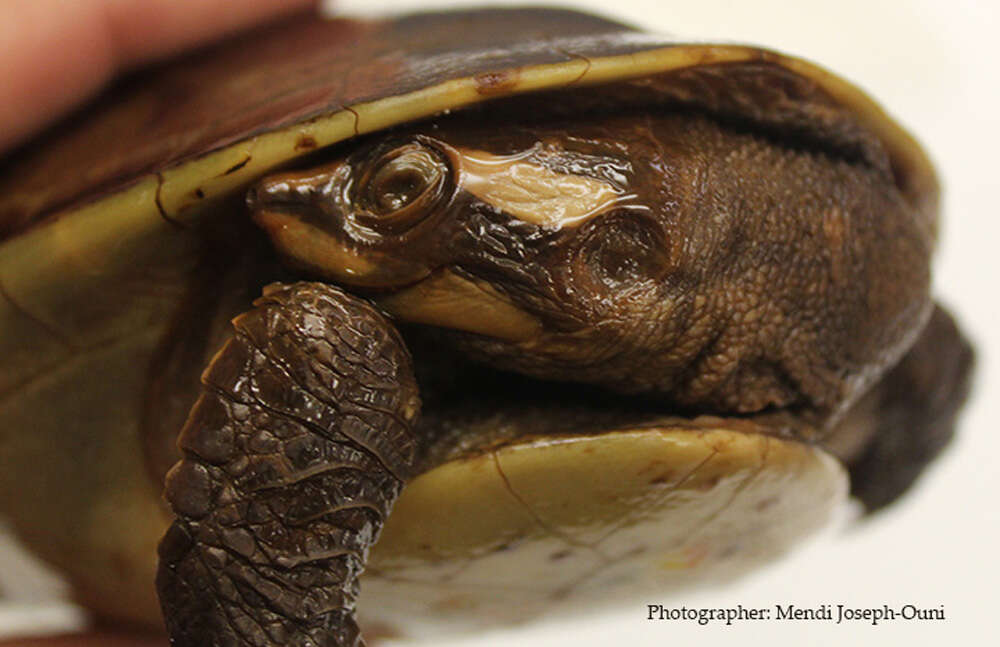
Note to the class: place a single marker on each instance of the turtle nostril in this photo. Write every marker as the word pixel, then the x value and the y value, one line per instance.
pixel 252 199
pixel 274 192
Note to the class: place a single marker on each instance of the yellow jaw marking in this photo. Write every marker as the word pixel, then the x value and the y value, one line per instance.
pixel 449 301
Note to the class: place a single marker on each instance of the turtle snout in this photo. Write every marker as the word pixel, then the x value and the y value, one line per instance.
pixel 307 216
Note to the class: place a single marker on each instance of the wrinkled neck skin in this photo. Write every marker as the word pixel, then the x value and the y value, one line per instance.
pixel 719 269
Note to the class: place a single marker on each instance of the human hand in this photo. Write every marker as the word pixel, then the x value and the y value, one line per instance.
pixel 56 54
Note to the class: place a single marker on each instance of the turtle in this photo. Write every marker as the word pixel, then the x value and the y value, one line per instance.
pixel 456 319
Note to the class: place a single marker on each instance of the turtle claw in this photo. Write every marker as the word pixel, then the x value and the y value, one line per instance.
pixel 292 459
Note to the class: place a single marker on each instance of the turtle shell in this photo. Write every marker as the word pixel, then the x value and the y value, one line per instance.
pixel 103 223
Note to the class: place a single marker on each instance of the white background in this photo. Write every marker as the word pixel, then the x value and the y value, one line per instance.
pixel 932 64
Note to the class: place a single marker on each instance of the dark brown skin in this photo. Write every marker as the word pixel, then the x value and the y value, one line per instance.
pixel 293 457
pixel 717 271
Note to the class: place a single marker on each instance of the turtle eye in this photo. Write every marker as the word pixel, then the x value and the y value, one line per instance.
pixel 402 188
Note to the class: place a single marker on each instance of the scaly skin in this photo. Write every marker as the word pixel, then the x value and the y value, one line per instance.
pixel 292 459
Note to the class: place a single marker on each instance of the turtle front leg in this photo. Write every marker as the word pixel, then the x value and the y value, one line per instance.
pixel 292 458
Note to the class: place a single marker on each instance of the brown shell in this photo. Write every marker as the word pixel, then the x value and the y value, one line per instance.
pixel 312 82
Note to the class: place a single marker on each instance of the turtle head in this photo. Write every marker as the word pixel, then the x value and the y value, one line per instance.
pixel 663 253
pixel 512 240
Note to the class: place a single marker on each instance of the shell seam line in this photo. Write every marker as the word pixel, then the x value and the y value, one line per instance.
pixel 739 489
pixel 159 204
pixel 51 330
pixel 565 591
pixel 541 522
pixel 357 119
pixel 580 57
pixel 673 488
